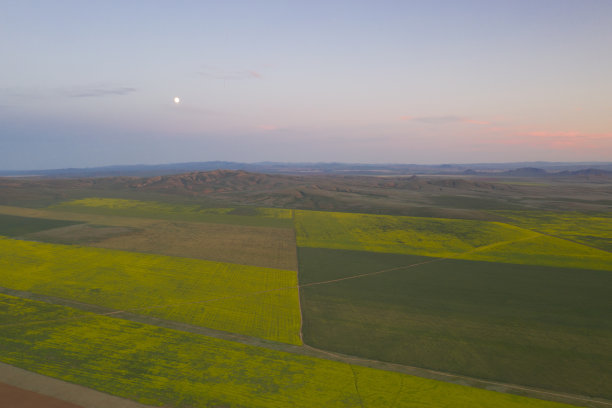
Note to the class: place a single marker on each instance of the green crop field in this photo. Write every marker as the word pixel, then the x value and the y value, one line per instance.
pixel 266 217
pixel 12 226
pixel 595 230
pixel 438 237
pixel 159 366
pixel 255 301
pixel 534 325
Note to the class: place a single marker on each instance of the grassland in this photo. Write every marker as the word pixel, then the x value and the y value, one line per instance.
pixel 540 326
pixel 255 301
pixel 165 367
pixel 266 217
pixel 448 238
pixel 590 229
pixel 12 226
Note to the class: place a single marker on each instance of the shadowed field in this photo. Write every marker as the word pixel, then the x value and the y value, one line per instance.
pixel 12 225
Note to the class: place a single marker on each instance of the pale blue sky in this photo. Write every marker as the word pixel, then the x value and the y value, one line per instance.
pixel 92 83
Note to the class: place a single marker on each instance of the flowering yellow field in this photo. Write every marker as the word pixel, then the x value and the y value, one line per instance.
pixel 446 238
pixel 396 234
pixel 160 366
pixel 255 301
pixel 590 229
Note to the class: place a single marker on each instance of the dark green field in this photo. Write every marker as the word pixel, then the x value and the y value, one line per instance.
pixel 542 326
pixel 13 226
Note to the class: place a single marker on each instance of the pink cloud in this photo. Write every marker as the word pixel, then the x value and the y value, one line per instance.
pixel 554 134
pixel 268 127
pixel 559 140
pixel 444 120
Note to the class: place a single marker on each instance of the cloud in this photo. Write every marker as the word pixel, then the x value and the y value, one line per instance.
pixel 86 91
pixel 438 120
pixel 268 127
pixel 232 75
pixel 444 120
pixel 21 93
pixel 560 140
pixel 98 91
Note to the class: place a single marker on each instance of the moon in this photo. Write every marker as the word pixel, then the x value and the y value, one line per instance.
pixel 177 100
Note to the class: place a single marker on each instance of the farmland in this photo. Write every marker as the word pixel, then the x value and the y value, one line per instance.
pixel 250 300
pixel 523 324
pixel 182 301
pixel 448 238
pixel 165 367
pixel 267 217
pixel 258 246
pixel 591 229
pixel 11 225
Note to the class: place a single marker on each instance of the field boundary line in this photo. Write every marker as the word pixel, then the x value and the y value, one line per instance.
pixel 355 383
pixel 297 275
pixel 362 275
pixel 478 383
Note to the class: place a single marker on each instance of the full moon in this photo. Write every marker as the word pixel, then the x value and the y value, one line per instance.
pixel 177 99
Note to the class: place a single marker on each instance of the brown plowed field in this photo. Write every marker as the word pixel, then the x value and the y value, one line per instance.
pixel 13 397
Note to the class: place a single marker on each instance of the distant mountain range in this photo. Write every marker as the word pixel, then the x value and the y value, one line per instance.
pixel 520 169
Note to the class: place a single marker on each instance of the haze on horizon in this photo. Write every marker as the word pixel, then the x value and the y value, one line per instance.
pixel 93 83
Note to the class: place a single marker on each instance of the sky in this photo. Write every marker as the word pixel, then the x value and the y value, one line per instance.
pixel 86 84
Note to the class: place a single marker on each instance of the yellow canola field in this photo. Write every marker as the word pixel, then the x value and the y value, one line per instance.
pixel 254 301
pixel 165 367
pixel 445 238
pixel 590 229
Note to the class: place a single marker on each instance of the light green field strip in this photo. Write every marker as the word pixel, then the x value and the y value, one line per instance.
pixel 256 301
pixel 160 366
pixel 544 250
pixel 446 238
pixel 272 217
pixel 595 230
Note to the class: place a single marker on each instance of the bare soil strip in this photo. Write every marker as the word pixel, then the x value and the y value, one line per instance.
pixel 24 389
pixel 14 397
pixel 314 352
